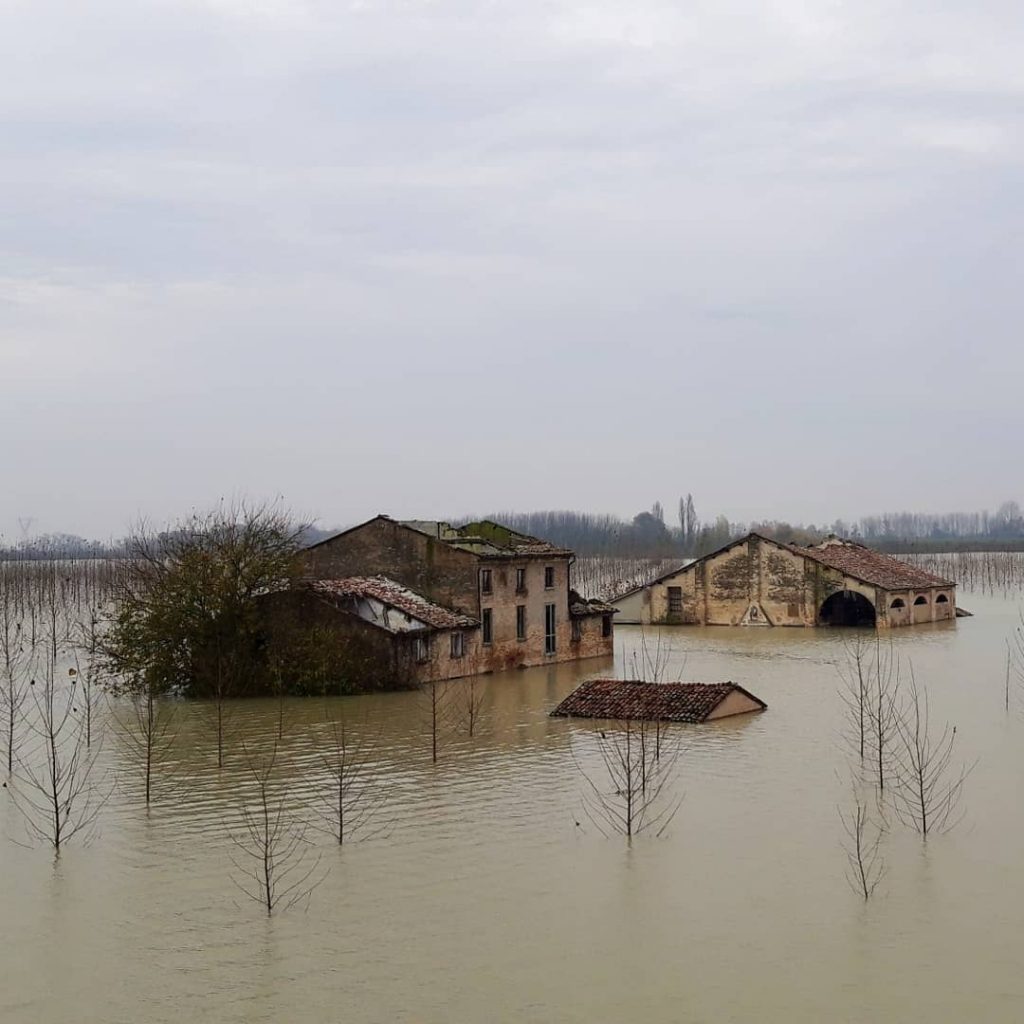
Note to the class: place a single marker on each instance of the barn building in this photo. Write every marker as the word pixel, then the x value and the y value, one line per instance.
pixel 756 581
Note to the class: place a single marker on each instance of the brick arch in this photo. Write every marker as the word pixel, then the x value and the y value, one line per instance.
pixel 847 608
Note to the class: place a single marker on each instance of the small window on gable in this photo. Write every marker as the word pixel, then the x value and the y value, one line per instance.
pixel 488 625
pixel 520 621
pixel 921 600
pixel 606 626
pixel 486 583
pixel 942 599
pixel 898 603
pixel 458 645
pixel 520 580
pixel 577 631
pixel 422 649
pixel 549 577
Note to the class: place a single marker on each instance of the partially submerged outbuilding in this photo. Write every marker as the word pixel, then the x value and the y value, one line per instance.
pixel 634 700
pixel 757 581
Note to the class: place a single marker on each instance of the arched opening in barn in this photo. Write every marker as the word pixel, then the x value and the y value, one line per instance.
pixel 921 600
pixel 942 599
pixel 898 603
pixel 847 608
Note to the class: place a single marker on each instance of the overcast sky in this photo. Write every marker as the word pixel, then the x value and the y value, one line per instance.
pixel 439 257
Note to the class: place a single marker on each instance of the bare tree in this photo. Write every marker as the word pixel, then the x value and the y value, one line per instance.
pixel 650 663
pixel 1015 657
pixel 354 794
pixel 276 668
pixel 17 655
pixel 87 677
pixel 855 671
pixel 470 703
pixel 222 691
pixel 929 786
pixel 884 713
pixel 55 793
pixel 275 866
pixel 436 696
pixel 865 866
pixel 630 794
pixel 149 729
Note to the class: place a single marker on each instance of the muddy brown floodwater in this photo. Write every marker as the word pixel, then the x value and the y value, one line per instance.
pixel 483 900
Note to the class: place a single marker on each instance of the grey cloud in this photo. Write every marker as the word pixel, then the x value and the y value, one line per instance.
pixel 454 256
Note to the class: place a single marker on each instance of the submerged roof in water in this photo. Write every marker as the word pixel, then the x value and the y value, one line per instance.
pixel 634 700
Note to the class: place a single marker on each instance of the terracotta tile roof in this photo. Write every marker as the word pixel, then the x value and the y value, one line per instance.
pixel 633 699
pixel 393 594
pixel 869 566
pixel 589 605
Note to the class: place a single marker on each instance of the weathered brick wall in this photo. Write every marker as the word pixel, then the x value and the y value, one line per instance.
pixel 782 590
pixel 441 665
pixel 426 565
pixel 944 609
pixel 690 591
pixel 506 651
pixel 895 616
pixel 591 643
pixel 728 579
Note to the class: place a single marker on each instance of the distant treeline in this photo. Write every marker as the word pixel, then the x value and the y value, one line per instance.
pixel 647 534
pixel 48 546
pixel 650 535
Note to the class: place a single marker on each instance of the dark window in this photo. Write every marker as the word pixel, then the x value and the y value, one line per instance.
pixel 675 600
pixel 422 648
pixel 606 626
pixel 485 581
pixel 458 645
pixel 942 599
pixel 792 609
pixel 549 577
pixel 549 629
pixel 520 581
pixel 488 625
pixel 577 630
pixel 520 621
pixel 898 603
pixel 921 600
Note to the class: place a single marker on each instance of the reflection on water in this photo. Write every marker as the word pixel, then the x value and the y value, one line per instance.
pixel 484 900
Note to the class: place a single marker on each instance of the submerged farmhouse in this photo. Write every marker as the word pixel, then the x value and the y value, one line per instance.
pixel 756 581
pixel 434 601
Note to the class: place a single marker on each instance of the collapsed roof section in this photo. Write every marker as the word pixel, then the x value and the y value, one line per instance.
pixel 384 603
